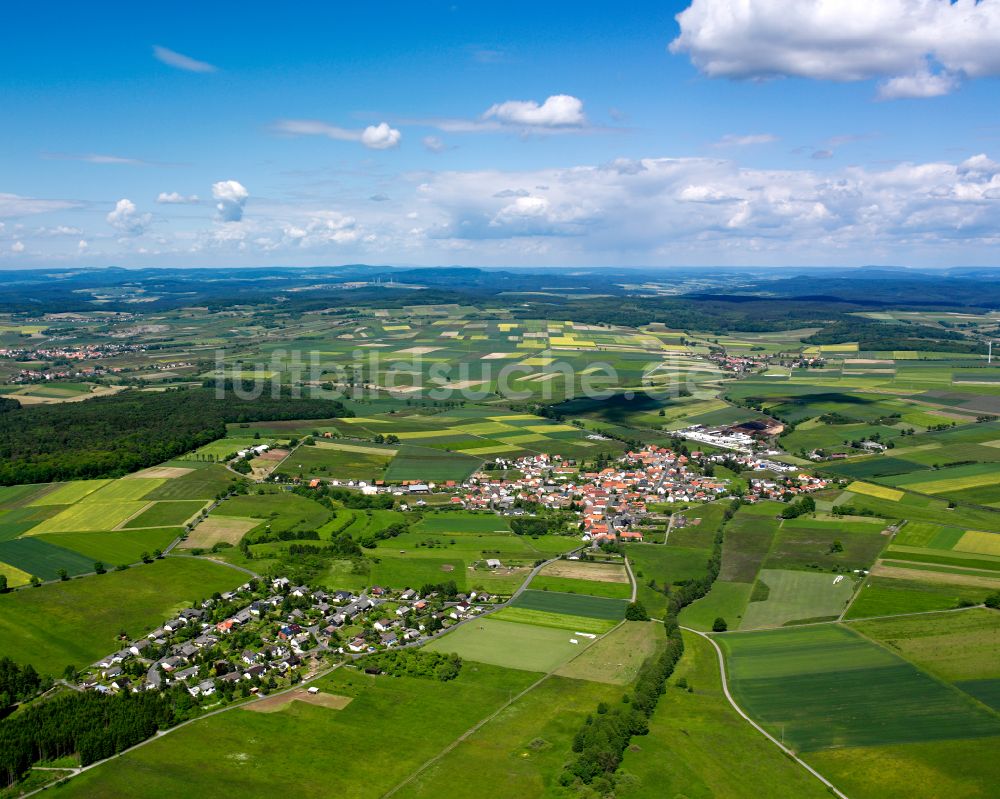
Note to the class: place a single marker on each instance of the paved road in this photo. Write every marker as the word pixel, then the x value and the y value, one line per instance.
pixel 725 689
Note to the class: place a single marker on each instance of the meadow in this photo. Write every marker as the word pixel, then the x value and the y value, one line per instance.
pixel 240 752
pixel 78 621
pixel 797 597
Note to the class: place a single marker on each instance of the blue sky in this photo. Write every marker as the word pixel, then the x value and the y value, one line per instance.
pixel 776 132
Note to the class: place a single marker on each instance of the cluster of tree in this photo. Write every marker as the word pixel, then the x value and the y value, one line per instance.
pixel 799 507
pixel 113 435
pixel 19 683
pixel 605 735
pixel 448 589
pixel 92 725
pixel 636 611
pixel 851 510
pixel 872 335
pixel 414 663
pixel 349 499
pixel 538 525
pixel 602 740
pixel 392 531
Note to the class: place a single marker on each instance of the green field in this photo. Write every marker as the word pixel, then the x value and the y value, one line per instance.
pixel 680 757
pixel 572 604
pixel 810 543
pixel 43 559
pixel 797 596
pixel 511 644
pixel 77 622
pixel 239 753
pixel 570 585
pixel 885 596
pixel 825 686
pixel 89 516
pixel 424 463
pixel 69 493
pixel 748 540
pixel 957 769
pixel 953 646
pixel 560 621
pixel 115 547
pixel 726 600
pixel 461 522
pixel 204 482
pixel 329 461
pixel 165 514
pixel 520 752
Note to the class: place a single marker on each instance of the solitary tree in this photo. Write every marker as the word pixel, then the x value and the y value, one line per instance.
pixel 719 625
pixel 636 611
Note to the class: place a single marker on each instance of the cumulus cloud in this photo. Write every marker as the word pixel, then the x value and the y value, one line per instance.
pixel 897 41
pixel 374 137
pixel 176 198
pixel 180 61
pixel 231 197
pixel 127 220
pixel 17 247
pixel 323 227
pixel 82 245
pixel 559 110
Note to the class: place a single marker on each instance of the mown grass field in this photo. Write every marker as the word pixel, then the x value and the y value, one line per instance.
pixel 165 514
pixel 726 600
pixel 797 596
pixel 560 621
pixel 616 657
pixel 77 622
pixel 511 644
pixel 698 746
pixel 239 753
pixel 825 686
pixel 810 543
pixel 329 461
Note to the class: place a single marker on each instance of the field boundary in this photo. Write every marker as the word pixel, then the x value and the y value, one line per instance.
pixel 725 690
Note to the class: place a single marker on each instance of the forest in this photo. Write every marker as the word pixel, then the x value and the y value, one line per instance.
pixel 115 435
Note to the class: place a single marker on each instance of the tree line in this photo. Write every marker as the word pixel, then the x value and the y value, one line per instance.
pixel 114 435
pixel 602 740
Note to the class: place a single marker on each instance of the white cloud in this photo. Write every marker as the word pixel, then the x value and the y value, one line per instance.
pixel 126 219
pixel 918 86
pixel 181 61
pixel 17 247
pixel 13 205
pixel 559 110
pixel 845 40
pixel 96 158
pixel 380 137
pixel 175 198
pixel 374 137
pixel 433 144
pixel 82 245
pixel 231 196
pixel 735 140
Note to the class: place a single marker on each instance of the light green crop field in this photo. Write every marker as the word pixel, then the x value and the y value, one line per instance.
pixel 680 757
pixel 239 753
pixel 77 622
pixel 560 621
pixel 69 493
pixel 798 596
pixel 825 686
pixel 462 522
pixel 89 516
pixel 126 490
